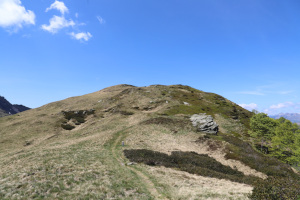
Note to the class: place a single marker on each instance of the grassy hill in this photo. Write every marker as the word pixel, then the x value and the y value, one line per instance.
pixel 72 149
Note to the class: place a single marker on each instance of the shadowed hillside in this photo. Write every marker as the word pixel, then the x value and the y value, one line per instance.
pixel 7 108
pixel 127 142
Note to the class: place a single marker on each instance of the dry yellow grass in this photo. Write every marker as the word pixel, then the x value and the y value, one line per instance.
pixel 38 159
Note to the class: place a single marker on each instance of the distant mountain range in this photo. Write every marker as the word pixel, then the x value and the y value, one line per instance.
pixel 6 108
pixel 293 117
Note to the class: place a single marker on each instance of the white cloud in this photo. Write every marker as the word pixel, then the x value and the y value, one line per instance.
pixel 253 93
pixel 57 23
pixel 13 14
pixel 282 105
pixel 81 36
pixel 60 6
pixel 250 106
pixel 101 20
pixel 285 92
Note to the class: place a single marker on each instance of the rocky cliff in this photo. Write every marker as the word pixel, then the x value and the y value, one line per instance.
pixel 6 108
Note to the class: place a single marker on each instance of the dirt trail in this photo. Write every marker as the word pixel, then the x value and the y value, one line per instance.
pixel 148 183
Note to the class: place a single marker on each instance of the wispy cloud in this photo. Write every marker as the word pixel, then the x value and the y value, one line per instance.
pixel 250 106
pixel 267 89
pixel 282 105
pixel 14 15
pixel 56 23
pixel 81 36
pixel 252 93
pixel 60 6
pixel 285 92
pixel 101 20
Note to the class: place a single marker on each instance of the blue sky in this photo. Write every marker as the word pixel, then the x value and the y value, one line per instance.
pixel 247 51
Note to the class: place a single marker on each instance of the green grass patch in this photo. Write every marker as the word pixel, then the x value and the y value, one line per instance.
pixel 209 103
pixel 81 171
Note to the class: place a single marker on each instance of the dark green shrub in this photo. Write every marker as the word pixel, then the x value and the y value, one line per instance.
pixel 243 151
pixel 191 162
pixel 67 126
pixel 275 188
pixel 124 112
pixel 78 117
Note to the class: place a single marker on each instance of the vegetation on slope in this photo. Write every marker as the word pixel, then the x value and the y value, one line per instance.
pixel 277 148
pixel 40 159
pixel 200 164
pixel 279 138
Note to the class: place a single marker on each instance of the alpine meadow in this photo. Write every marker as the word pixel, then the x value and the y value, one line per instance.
pixel 149 100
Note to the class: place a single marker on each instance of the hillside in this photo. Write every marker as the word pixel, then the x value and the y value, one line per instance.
pixel 6 108
pixel 127 142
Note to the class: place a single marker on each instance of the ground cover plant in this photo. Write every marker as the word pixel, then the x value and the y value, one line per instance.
pixel 191 162
pixel 279 138
pixel 282 181
pixel 72 118
pixel 41 160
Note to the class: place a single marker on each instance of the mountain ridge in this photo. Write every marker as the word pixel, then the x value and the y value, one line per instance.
pixel 293 117
pixel 93 146
pixel 6 108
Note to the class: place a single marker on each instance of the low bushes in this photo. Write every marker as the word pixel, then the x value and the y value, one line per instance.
pixel 243 151
pixel 275 188
pixel 77 117
pixel 282 182
pixel 191 162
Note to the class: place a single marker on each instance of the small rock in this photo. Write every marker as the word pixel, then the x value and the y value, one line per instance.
pixel 27 143
pixel 186 103
pixel 131 163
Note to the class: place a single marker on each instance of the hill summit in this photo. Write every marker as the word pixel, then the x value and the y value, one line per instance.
pixel 127 142
pixel 6 108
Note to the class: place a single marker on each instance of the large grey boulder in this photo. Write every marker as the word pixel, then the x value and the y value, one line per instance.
pixel 205 123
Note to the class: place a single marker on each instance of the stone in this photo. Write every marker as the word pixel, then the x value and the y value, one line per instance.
pixel 186 103
pixel 204 123
pixel 131 163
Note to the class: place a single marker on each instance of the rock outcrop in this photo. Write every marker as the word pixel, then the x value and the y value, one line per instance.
pixel 6 108
pixel 204 123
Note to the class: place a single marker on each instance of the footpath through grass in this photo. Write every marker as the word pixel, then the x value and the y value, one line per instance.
pixel 147 182
pixel 82 171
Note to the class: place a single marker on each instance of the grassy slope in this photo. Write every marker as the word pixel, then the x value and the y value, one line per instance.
pixel 38 159
pixel 3 113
